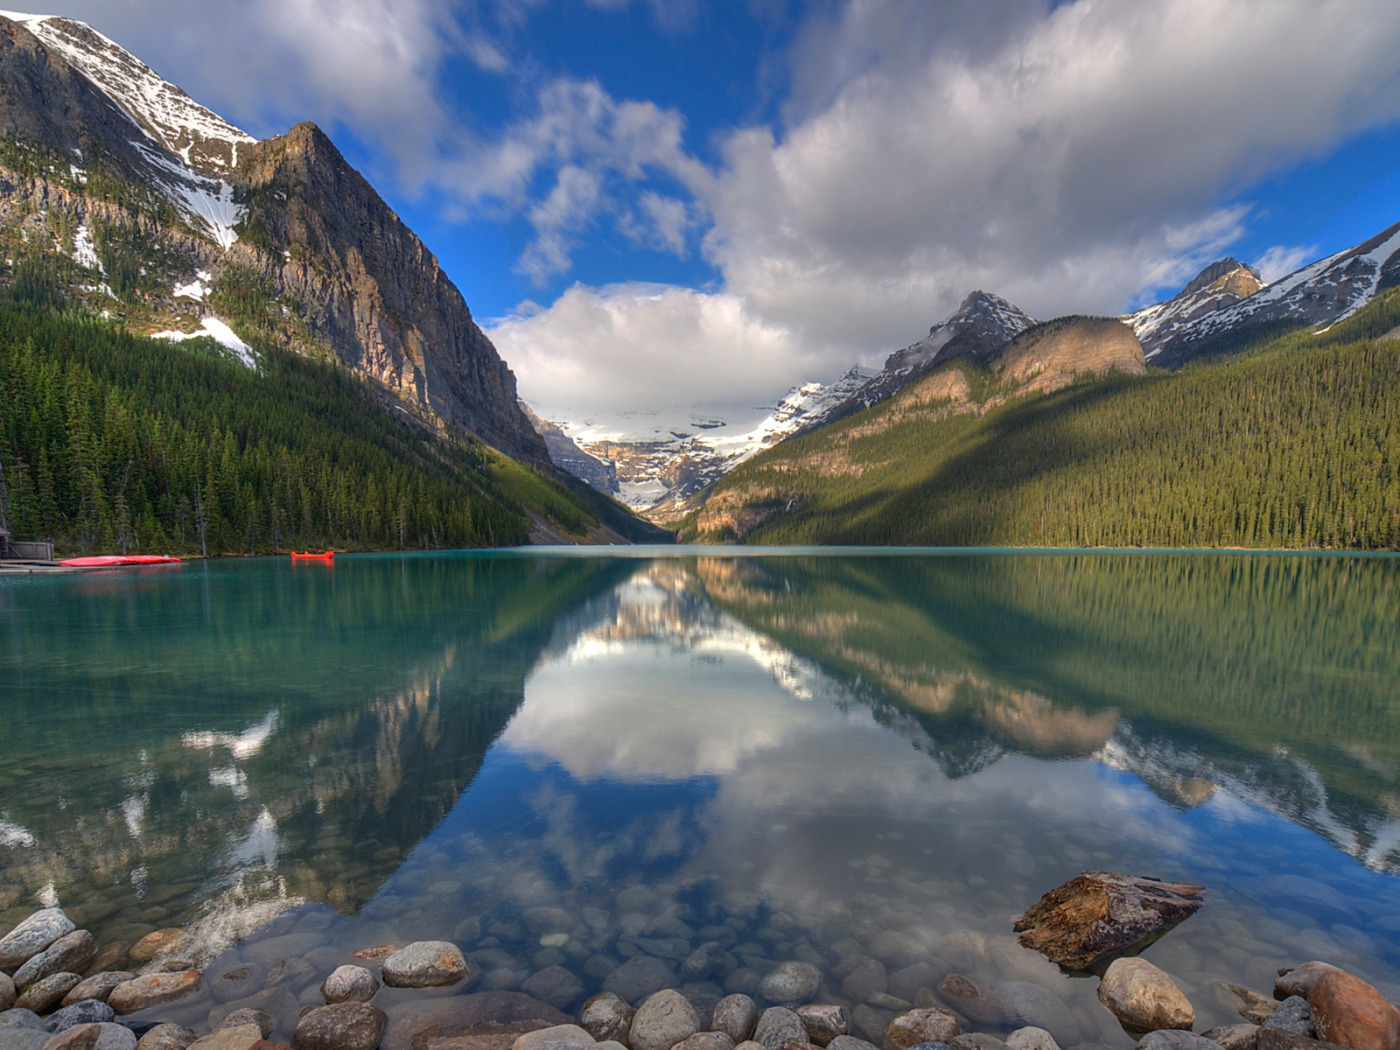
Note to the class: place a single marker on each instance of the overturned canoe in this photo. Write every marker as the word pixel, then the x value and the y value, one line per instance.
pixel 107 561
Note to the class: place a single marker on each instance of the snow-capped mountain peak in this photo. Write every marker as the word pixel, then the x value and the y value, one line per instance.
pixel 982 323
pixel 1220 285
pixel 202 139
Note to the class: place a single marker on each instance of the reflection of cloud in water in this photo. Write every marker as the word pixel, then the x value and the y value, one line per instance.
pixel 631 708
pixel 12 834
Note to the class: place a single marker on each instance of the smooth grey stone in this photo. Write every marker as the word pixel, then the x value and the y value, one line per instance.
pixel 7 992
pixel 86 1011
pixel 607 1017
pixel 425 964
pixel 1031 1038
pixel 23 1038
pixel 663 1020
pixel 703 961
pixel 639 977
pixel 735 1015
pixel 791 983
pixel 778 1025
pixel 98 986
pixel 976 1041
pixel 867 978
pixel 706 1041
pixel 850 1042
pixel 1293 1015
pixel 247 1017
pixel 32 936
pixel 824 1022
pixel 20 1018
pixel 237 982
pixel 103 1035
pixel 1176 1039
pixel 71 953
pixel 167 1037
pixel 42 996
pixel 554 985
pixel 1037 1008
pixel 349 984
pixel 341 1026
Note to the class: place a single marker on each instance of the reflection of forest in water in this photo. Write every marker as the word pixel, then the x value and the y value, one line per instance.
pixel 238 737
pixel 250 735
pixel 1275 676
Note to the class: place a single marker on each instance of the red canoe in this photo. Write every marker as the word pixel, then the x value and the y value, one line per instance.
pixel 104 561
pixel 323 556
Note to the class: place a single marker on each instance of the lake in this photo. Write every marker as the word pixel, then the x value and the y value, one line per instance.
pixel 564 760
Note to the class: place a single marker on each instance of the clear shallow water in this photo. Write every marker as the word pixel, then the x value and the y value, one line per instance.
pixel 304 760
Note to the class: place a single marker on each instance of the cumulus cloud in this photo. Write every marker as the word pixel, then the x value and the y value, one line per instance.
pixel 1282 259
pixel 629 358
pixel 1069 159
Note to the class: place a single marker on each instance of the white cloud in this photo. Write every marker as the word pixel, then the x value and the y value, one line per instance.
pixel 1281 260
pixel 567 209
pixel 644 348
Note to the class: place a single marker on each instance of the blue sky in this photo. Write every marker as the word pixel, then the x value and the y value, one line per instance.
pixel 682 206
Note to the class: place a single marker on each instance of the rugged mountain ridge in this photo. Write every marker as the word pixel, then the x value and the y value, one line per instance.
pixel 173 217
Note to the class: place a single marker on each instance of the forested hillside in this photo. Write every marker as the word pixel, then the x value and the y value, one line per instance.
pixel 1295 443
pixel 110 442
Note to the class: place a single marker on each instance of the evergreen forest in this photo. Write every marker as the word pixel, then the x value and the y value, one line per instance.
pixel 114 443
pixel 1292 443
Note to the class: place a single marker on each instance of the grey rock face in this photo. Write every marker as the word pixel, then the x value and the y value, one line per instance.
pixel 663 1020
pixel 778 1025
pixel 340 1026
pixel 32 936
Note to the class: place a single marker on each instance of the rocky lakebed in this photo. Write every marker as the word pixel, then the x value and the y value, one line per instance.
pixel 738 977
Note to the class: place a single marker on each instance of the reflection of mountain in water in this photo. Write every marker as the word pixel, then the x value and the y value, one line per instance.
pixel 1268 678
pixel 332 748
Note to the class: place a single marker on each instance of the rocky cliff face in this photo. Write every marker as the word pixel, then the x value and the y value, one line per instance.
pixel 1219 286
pixel 104 163
pixel 1049 355
pixel 369 285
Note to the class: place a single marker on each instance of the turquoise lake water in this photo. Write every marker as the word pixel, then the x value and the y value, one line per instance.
pixel 800 748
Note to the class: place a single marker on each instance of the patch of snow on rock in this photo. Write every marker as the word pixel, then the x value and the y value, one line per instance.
pixel 196 289
pixel 221 334
pixel 84 252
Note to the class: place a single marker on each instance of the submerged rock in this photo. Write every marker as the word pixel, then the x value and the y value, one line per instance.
pixel 1098 914
pixel 71 953
pixel 791 983
pixel 425 964
pixel 824 1022
pixel 975 1003
pixel 1299 980
pixel 349 984
pixel 153 990
pixel 778 1025
pixel 929 1024
pixel 735 1016
pixel 663 1020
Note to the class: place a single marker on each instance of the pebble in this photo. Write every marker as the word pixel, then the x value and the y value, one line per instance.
pixel 86 1011
pixel 71 953
pixel 557 1037
pixel 824 1022
pixel 340 1026
pixel 42 996
pixel 167 1037
pixel 1144 998
pixel 607 1016
pixel 425 964
pixel 1293 1015
pixel 98 986
pixel 96 1036
pixel 735 1015
pixel 7 991
pixel 778 1025
pixel 928 1024
pixel 249 1015
pixel 663 1020
pixel 32 936
pixel 238 1037
pixel 1031 1038
pixel 791 983
pixel 153 990
pixel 349 984
pixel 162 942
pixel 1347 1010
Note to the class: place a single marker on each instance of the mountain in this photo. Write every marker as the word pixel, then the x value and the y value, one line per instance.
pixel 656 476
pixel 1227 306
pixel 321 382
pixel 1064 438
pixel 173 218
pixel 982 324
